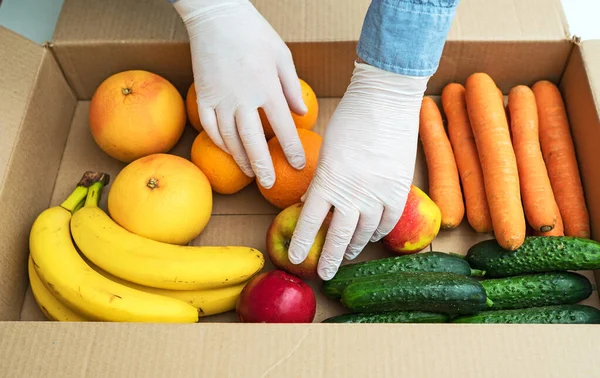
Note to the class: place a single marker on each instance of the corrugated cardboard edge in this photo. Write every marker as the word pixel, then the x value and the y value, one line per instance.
pixel 31 172
pixel 259 350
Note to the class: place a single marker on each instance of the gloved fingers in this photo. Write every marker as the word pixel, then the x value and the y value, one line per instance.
pixel 251 132
pixel 367 224
pixel 314 211
pixel 342 227
pixel 208 119
pixel 389 219
pixel 290 84
pixel 303 198
pixel 283 125
pixel 229 133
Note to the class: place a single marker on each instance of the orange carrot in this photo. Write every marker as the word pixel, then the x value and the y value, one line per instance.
pixel 467 160
pixel 559 154
pixel 498 161
pixel 506 112
pixel 558 229
pixel 536 191
pixel 444 183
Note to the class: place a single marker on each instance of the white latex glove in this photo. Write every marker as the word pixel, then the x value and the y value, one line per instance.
pixel 241 64
pixel 365 169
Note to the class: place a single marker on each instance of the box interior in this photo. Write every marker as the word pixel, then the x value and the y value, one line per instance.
pixel 243 218
pixel 54 144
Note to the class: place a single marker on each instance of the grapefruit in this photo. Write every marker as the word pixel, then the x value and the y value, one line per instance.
pixel 161 197
pixel 135 114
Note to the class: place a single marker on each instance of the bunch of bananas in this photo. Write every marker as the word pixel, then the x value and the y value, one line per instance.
pixel 83 266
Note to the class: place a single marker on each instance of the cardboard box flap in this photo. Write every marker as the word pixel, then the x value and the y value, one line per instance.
pixel 509 20
pixel 322 36
pixel 591 57
pixel 270 350
pixel 515 42
pixel 19 62
pixel 295 21
pixel 580 87
pixel 36 106
pixel 116 20
pixel 20 65
pixel 306 21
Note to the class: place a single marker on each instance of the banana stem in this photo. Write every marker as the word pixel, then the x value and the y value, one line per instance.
pixel 93 197
pixel 91 177
pixel 78 195
pixel 79 206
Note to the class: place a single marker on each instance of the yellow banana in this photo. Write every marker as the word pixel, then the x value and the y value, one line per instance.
pixel 74 283
pixel 208 302
pixel 156 264
pixel 50 306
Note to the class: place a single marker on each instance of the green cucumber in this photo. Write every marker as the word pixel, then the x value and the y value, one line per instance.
pixel 561 314
pixel 537 254
pixel 447 293
pixel 419 262
pixel 389 317
pixel 537 290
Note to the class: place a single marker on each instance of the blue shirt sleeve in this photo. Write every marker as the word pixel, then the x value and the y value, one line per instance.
pixel 406 36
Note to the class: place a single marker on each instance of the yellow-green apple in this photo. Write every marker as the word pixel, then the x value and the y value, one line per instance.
pixel 418 226
pixel 279 236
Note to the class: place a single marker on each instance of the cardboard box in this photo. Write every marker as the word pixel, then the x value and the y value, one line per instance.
pixel 45 146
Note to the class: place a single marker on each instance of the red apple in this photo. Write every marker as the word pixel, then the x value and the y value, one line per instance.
pixel 279 236
pixel 276 297
pixel 418 226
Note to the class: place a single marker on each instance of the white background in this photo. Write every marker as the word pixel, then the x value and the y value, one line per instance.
pixel 583 17
pixel 36 19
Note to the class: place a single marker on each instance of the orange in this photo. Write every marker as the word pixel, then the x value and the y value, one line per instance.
pixel 136 113
pixel 290 183
pixel 306 121
pixel 161 197
pixel 223 173
pixel 191 107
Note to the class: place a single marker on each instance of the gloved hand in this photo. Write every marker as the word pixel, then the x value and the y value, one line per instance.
pixel 240 64
pixel 365 169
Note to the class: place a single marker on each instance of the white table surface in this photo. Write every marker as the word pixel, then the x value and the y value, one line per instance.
pixel 36 19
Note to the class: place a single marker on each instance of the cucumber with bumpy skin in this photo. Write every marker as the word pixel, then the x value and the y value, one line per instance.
pixel 537 254
pixel 562 314
pixel 536 290
pixel 419 262
pixel 447 293
pixel 389 317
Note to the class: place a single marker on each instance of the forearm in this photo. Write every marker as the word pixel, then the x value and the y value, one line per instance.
pixel 406 36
